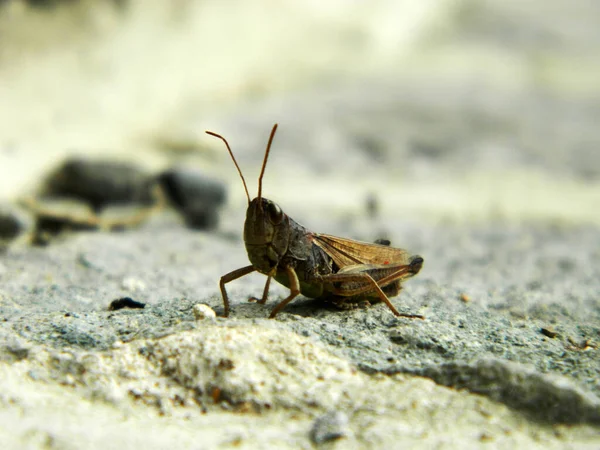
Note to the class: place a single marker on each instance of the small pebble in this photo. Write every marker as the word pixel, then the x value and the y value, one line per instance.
pixel 203 312
pixel 133 284
pixel 330 426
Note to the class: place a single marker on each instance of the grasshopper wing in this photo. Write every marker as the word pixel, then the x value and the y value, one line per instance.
pixel 347 252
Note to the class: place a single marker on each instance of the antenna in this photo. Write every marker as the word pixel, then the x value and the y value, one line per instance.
pixel 235 162
pixel 262 171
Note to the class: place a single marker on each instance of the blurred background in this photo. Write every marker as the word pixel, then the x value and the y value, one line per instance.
pixel 426 110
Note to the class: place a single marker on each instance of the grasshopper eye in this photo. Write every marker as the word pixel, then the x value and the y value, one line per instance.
pixel 275 213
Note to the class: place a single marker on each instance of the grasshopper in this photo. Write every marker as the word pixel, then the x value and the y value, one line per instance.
pixel 313 264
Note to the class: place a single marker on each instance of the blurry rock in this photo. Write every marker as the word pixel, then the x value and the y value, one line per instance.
pixel 14 223
pixel 100 182
pixel 84 194
pixel 195 195
pixel 185 186
pixel 201 216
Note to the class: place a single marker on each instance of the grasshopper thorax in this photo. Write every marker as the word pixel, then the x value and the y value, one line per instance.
pixel 266 234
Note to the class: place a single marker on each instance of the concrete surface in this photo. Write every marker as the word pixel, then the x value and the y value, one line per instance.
pixel 473 132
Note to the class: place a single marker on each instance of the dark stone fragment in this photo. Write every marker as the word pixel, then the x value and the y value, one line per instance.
pixel 125 302
pixel 382 241
pixel 549 332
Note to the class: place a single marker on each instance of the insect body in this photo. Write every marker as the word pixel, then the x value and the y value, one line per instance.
pixel 313 264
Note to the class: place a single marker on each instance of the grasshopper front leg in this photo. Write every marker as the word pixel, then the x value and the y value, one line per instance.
pixel 230 277
pixel 365 283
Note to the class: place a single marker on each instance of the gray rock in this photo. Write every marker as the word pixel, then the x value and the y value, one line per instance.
pixel 550 398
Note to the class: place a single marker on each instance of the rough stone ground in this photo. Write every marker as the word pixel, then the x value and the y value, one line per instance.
pixel 480 148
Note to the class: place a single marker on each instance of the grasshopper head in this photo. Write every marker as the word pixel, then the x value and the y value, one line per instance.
pixel 266 234
pixel 266 231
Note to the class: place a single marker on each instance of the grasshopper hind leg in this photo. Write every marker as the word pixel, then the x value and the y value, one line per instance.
pixel 294 291
pixel 363 301
pixel 361 284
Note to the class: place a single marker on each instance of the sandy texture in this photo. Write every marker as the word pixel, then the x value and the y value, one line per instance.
pixel 273 383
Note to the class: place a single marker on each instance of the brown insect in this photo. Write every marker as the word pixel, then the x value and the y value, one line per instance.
pixel 313 264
